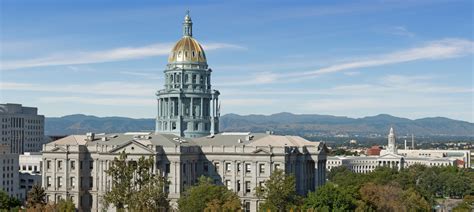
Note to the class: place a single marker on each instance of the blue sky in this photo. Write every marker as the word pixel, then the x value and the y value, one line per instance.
pixel 350 58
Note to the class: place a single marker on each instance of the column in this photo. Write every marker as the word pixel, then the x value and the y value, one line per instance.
pixel 202 107
pixel 316 175
pixel 180 105
pixel 217 106
pixel 191 109
pixel 169 107
pixel 159 107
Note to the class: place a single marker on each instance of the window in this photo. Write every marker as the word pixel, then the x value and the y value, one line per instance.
pixel 228 185
pixel 91 165
pixel 167 168
pixel 261 168
pixel 80 165
pixel 216 167
pixel 227 167
pixel 60 182
pixel 277 166
pixel 48 181
pixel 91 182
pixel 73 165
pixel 48 164
pixel 60 164
pixel 238 167
pixel 30 168
pixel 238 185
pixel 184 168
pixel 24 167
pixel 247 168
pixel 73 182
pixel 206 167
pixel 247 187
pixel 247 207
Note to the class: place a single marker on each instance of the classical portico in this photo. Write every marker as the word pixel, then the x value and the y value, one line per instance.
pixel 187 106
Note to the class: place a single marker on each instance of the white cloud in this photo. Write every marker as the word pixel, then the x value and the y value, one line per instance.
pixel 100 101
pixel 249 102
pixel 118 54
pixel 435 50
pixel 147 75
pixel 400 30
pixel 104 88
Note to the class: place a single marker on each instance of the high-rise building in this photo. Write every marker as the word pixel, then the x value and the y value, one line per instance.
pixel 9 171
pixel 187 106
pixel 21 128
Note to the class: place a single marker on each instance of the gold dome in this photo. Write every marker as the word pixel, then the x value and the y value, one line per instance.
pixel 187 50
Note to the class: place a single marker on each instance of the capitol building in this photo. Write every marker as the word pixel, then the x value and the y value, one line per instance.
pixel 393 157
pixel 185 145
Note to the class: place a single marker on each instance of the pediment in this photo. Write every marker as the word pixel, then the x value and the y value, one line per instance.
pixel 390 156
pixel 132 147
pixel 59 149
pixel 261 151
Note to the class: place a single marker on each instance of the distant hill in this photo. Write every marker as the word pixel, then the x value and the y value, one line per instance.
pixel 280 123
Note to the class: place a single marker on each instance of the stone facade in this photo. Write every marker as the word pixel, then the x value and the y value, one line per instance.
pixel 21 128
pixel 74 166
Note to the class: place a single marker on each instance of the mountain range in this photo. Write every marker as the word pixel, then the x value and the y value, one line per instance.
pixel 281 123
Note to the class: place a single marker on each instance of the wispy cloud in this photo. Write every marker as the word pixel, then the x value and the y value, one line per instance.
pixel 434 50
pixel 155 75
pixel 117 54
pixel 104 88
pixel 400 31
pixel 110 101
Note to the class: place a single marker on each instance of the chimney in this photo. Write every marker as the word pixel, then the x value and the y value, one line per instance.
pixel 412 141
pixel 90 136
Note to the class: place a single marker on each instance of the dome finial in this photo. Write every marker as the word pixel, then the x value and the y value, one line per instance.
pixel 187 25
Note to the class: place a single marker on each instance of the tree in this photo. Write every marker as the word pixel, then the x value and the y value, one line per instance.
pixel 206 196
pixel 381 197
pixel 36 197
pixel 391 198
pixel 135 187
pixel 279 192
pixel 66 205
pixel 8 203
pixel 330 197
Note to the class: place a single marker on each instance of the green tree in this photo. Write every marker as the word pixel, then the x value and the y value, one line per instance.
pixel 135 187
pixel 206 196
pixel 279 192
pixel 36 197
pixel 66 205
pixel 8 203
pixel 330 197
